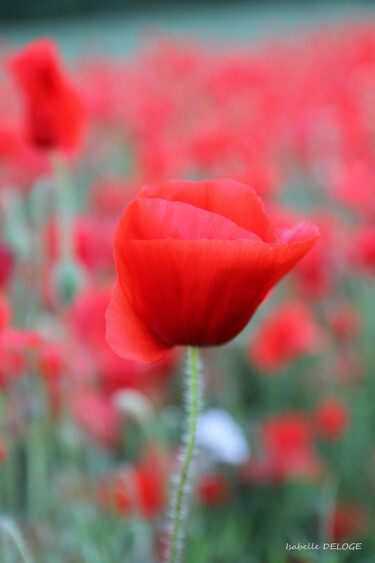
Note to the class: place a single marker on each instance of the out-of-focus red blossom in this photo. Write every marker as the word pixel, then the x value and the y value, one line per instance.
pixel 93 239
pixel 194 261
pixel 87 322
pixel 362 251
pixel 316 276
pixel 289 332
pixel 253 113
pixel 213 489
pixel 349 520
pixel 140 488
pixel 54 111
pixel 16 346
pixel 286 95
pixel 353 183
pixel 51 361
pixel 15 342
pixel 20 163
pixel 7 263
pixel 4 313
pixel 286 451
pixel 97 415
pixel 8 140
pixel 18 340
pixel 93 232
pixel 345 321
pixel 331 418
pixel 3 451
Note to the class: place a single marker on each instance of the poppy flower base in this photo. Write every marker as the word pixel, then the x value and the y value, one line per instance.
pixel 180 496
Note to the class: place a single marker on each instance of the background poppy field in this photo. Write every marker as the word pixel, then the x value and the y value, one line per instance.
pixel 89 441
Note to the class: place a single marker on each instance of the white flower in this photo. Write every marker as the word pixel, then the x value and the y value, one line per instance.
pixel 222 437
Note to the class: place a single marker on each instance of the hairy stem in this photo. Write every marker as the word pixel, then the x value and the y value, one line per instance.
pixel 180 500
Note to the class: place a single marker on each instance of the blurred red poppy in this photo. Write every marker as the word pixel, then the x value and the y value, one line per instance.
pixel 4 313
pixel 362 251
pixel 140 488
pixel 345 321
pixel 289 332
pixel 16 346
pixel 55 114
pixel 349 520
pixel 331 418
pixel 287 450
pixel 213 489
pixel 194 261
pixel 3 451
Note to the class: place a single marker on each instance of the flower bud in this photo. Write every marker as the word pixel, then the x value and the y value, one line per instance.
pixel 67 280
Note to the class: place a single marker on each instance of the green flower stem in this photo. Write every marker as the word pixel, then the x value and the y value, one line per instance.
pixel 8 526
pixel 38 438
pixel 65 204
pixel 180 500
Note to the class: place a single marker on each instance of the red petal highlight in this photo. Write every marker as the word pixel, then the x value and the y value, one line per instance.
pixel 235 201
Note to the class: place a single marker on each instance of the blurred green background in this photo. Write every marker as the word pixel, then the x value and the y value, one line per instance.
pixel 20 9
pixel 120 26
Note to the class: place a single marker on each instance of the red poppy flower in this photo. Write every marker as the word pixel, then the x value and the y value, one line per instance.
pixel 55 115
pixel 4 313
pixel 3 452
pixel 139 488
pixel 362 251
pixel 345 321
pixel 92 238
pixel 331 418
pixel 213 489
pixel 15 348
pixel 349 521
pixel 288 333
pixel 194 261
pixel 352 183
pixel 287 448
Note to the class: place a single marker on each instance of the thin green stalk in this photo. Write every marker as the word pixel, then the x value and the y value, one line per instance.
pixel 6 525
pixel 68 275
pixel 65 205
pixel 38 439
pixel 180 500
pixel 327 507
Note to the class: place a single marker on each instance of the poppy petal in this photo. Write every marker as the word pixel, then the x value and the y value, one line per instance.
pixel 235 201
pixel 148 219
pixel 126 333
pixel 201 292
